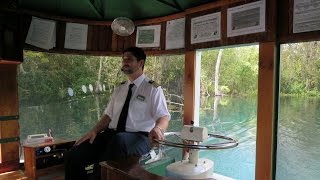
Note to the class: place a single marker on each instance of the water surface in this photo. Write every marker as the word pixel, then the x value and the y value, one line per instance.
pixel 298 155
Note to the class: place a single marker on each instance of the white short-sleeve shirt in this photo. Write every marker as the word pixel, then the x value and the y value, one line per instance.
pixel 146 106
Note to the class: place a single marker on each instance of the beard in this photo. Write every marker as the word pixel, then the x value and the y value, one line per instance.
pixel 127 70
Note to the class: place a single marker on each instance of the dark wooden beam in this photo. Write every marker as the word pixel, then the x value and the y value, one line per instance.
pixel 9 151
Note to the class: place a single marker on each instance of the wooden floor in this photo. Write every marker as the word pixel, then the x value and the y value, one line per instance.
pixel 51 173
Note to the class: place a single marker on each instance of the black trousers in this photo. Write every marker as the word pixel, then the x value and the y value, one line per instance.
pixel 108 145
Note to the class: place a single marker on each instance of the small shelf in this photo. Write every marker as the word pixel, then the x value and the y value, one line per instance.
pixel 36 158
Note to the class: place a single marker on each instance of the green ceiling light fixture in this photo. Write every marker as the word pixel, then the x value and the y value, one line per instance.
pixel 122 26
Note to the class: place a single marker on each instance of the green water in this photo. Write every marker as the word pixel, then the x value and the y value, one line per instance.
pixel 298 138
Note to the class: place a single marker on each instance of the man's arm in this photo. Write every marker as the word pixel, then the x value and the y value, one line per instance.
pixel 158 131
pixel 102 124
pixel 91 135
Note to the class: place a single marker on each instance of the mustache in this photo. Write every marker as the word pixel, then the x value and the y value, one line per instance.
pixel 122 68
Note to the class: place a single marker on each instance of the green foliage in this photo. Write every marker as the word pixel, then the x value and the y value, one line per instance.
pixel 300 69
pixel 45 77
pixel 168 71
pixel 224 89
pixel 238 71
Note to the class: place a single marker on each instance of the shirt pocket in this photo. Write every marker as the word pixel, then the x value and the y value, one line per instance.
pixel 139 110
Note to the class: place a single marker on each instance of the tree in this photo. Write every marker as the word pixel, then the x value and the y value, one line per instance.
pixel 217 74
pixel 98 82
pixel 238 74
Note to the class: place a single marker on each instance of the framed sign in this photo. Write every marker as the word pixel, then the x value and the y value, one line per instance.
pixel 148 36
pixel 175 33
pixel 76 36
pixel 42 33
pixel 205 28
pixel 246 19
pixel 306 16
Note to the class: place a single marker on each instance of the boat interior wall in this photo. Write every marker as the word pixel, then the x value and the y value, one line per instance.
pixel 276 17
pixel 11 41
pixel 9 125
pixel 285 25
pixel 102 41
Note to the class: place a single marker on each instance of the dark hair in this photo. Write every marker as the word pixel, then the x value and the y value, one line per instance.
pixel 137 52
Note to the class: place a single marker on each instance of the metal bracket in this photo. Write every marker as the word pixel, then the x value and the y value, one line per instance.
pixel 7 140
pixel 7 118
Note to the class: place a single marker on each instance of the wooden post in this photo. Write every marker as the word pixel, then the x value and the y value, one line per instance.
pixel 9 125
pixel 189 86
pixel 265 114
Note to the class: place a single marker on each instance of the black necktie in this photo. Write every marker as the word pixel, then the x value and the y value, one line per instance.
pixel 121 127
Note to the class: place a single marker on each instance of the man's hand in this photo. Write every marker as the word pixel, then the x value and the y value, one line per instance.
pixel 90 135
pixel 156 133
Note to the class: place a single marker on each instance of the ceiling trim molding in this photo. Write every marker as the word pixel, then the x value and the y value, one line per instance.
pixel 157 20
pixel 66 19
pixel 212 5
pixel 95 9
pixel 175 4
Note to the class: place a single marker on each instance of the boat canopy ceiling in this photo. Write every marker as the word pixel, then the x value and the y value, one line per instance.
pixel 110 9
